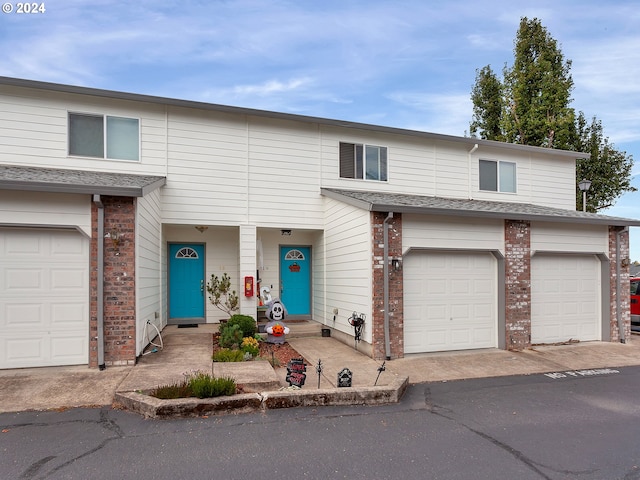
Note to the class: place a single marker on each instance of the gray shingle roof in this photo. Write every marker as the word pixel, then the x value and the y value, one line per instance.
pixel 13 177
pixel 403 203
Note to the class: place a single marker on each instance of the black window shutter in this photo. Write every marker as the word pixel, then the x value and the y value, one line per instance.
pixel 347 164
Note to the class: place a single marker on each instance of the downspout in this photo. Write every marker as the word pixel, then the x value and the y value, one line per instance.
pixel 471 152
pixel 385 273
pixel 100 281
pixel 621 332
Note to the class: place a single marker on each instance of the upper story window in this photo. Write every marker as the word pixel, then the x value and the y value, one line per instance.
pixel 497 176
pixel 366 162
pixel 104 136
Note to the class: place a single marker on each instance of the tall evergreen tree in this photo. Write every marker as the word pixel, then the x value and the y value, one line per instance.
pixel 531 106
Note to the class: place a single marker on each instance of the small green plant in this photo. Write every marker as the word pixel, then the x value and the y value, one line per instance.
pixel 228 355
pixel 196 384
pixel 251 346
pixel 221 295
pixel 246 322
pixel 230 336
pixel 204 385
pixel 171 391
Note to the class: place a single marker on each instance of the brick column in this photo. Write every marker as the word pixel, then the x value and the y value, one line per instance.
pixel 517 266
pixel 624 284
pixel 396 304
pixel 119 283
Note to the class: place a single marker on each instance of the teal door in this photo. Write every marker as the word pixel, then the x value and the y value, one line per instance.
pixel 295 279
pixel 186 283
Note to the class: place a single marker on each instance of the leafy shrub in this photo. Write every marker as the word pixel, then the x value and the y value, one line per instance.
pixel 228 355
pixel 250 345
pixel 171 391
pixel 204 385
pixel 221 295
pixel 247 324
pixel 230 336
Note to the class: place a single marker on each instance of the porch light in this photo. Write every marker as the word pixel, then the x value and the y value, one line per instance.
pixel 201 228
pixel 584 187
pixel 285 233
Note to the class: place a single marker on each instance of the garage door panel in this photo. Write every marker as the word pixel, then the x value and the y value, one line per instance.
pixel 457 310
pixel 44 292
pixel 66 348
pixel 24 351
pixel 565 298
pixel 69 315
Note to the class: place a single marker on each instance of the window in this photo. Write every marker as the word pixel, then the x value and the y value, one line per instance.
pixel 104 136
pixel 497 176
pixel 367 162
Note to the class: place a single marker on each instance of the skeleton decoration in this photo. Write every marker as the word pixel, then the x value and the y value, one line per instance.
pixel 276 328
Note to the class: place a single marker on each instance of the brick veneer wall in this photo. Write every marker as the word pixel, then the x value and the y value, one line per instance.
pixel 119 283
pixel 624 284
pixel 517 247
pixel 396 305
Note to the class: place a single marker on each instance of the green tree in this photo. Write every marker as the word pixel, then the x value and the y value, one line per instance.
pixel 538 90
pixel 608 169
pixel 487 105
pixel 531 106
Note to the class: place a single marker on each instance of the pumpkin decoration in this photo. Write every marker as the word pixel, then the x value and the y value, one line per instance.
pixel 277 330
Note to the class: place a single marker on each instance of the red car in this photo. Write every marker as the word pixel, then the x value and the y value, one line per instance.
pixel 635 303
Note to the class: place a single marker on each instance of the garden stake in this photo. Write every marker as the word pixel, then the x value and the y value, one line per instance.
pixel 381 369
pixel 357 322
pixel 319 370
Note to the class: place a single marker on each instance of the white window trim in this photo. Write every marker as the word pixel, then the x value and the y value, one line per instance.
pixel 364 162
pixel 104 136
pixel 498 185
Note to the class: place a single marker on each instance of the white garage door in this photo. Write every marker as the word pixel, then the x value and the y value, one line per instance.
pixel 565 298
pixel 44 298
pixel 450 301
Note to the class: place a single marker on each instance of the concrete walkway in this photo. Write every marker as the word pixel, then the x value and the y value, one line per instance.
pixel 186 350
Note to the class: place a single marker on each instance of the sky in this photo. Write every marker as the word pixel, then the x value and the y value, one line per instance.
pixel 401 63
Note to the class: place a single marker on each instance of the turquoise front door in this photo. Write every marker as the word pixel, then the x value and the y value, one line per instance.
pixel 186 283
pixel 295 279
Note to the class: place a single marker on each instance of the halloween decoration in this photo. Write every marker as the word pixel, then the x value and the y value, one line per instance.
pixel 276 328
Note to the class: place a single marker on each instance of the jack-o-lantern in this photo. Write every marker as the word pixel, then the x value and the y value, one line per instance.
pixel 277 330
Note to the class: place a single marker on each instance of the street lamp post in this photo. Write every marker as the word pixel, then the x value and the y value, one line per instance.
pixel 584 187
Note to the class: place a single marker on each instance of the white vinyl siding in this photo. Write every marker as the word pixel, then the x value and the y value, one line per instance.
pixel 148 266
pixel 46 209
pixel 44 298
pixel 554 237
pixel 429 231
pixel 348 263
pixel 34 131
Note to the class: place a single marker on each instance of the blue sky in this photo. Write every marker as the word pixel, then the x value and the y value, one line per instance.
pixel 402 63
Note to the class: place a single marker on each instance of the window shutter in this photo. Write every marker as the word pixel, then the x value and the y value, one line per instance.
pixel 347 164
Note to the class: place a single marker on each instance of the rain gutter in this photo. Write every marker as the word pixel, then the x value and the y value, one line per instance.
pixel 385 273
pixel 100 281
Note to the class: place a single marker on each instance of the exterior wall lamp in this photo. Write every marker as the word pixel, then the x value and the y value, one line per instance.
pixel 584 187
pixel 201 228
pixel 116 239
pixel 396 263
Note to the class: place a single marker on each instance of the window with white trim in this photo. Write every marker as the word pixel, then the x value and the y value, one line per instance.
pixel 497 176
pixel 365 162
pixel 104 136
